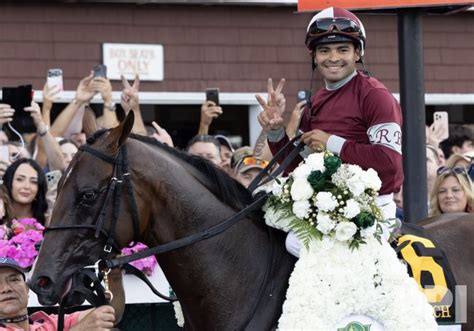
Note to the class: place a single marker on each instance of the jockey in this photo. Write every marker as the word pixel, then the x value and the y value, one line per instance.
pixel 353 115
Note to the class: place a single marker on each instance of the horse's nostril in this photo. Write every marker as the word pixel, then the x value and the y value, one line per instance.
pixel 44 282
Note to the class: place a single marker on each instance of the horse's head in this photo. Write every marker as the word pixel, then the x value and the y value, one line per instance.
pixel 82 228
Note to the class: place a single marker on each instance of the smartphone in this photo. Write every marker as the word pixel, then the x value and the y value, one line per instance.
pixel 55 78
pixel 4 154
pixel 441 124
pixel 100 70
pixel 212 94
pixel 52 178
pixel 19 98
pixel 303 95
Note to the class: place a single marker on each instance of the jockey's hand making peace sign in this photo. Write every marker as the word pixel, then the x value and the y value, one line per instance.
pixel 271 116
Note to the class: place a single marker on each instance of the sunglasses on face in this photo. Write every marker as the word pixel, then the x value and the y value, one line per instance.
pixel 250 160
pixel 454 170
pixel 325 25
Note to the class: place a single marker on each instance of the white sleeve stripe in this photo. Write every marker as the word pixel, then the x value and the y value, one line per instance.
pixel 335 144
pixel 386 134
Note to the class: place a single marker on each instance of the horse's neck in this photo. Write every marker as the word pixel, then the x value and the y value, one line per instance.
pixel 224 281
pixel 217 280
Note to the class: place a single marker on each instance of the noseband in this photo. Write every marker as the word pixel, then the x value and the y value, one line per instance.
pixel 120 177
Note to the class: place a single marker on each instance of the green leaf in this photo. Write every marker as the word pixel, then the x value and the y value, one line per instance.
pixel 364 220
pixel 305 231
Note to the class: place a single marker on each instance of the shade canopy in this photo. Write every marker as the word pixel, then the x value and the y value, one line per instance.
pixel 316 5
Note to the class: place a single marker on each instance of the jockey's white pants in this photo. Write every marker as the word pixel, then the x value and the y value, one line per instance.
pixel 385 203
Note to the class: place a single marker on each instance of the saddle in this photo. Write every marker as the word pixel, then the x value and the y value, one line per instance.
pixel 429 266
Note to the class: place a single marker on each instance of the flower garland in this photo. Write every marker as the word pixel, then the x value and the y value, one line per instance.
pixel 345 268
pixel 331 282
pixel 19 239
pixel 325 197
pixel 147 265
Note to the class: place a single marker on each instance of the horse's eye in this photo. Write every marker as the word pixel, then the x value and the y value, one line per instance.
pixel 88 195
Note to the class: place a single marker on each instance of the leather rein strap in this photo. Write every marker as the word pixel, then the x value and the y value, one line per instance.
pixel 222 226
pixel 87 284
pixel 120 176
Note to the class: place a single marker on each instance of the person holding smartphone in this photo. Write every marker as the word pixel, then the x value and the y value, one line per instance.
pixel 209 111
pixel 109 117
pixel 6 113
pixel 353 115
pixel 47 144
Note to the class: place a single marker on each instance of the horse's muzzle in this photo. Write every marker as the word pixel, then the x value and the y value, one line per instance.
pixel 43 286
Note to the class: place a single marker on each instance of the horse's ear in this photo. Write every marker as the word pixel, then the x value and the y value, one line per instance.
pixel 127 127
pixel 89 122
pixel 119 134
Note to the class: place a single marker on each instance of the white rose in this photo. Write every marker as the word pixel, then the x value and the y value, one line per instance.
pixel 371 179
pixel 301 189
pixel 355 170
pixel 303 171
pixel 316 162
pixel 345 231
pixel 301 208
pixel 351 209
pixel 325 223
pixel 325 201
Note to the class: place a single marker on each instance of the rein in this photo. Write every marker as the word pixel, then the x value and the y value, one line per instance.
pixel 120 177
pixel 87 283
pixel 224 225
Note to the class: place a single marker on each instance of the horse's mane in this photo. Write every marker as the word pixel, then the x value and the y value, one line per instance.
pixel 224 187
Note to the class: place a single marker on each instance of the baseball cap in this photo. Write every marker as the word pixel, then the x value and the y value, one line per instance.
pixel 224 141
pixel 239 154
pixel 251 162
pixel 6 262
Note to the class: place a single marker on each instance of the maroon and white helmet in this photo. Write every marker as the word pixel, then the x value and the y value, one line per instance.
pixel 333 25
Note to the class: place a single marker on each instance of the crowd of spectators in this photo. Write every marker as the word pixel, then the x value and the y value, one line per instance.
pixel 32 166
pixel 450 171
pixel 52 148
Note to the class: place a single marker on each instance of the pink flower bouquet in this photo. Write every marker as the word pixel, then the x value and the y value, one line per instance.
pixel 147 265
pixel 18 241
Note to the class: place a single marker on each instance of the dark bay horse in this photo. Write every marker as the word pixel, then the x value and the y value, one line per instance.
pixel 455 235
pixel 236 280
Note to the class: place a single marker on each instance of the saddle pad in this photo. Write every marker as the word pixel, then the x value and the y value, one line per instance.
pixel 429 266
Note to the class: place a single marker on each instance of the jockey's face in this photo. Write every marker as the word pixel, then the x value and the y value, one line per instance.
pixel 336 61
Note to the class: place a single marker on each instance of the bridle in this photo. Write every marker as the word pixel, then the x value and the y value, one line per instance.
pixel 121 177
